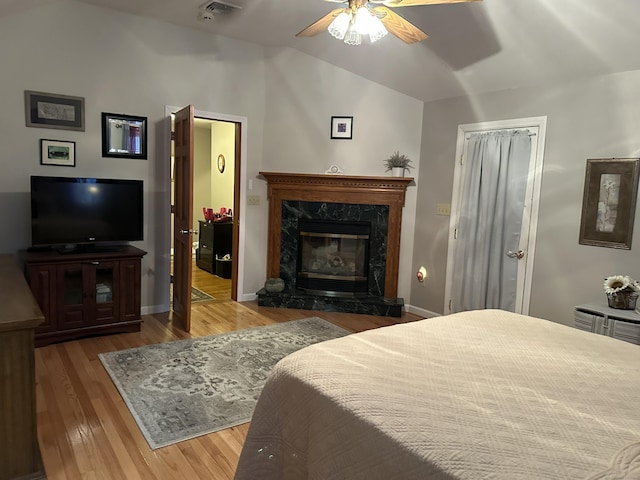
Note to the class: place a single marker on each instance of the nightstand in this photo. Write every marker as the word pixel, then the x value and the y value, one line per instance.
pixel 214 240
pixel 601 319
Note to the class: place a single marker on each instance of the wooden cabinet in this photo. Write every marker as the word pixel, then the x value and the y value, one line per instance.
pixel 19 316
pixel 603 320
pixel 85 293
pixel 214 239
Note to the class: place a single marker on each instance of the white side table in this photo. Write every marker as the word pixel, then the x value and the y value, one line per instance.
pixel 601 319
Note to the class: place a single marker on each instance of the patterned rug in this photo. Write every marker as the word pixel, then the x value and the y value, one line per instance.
pixel 199 296
pixel 196 295
pixel 187 388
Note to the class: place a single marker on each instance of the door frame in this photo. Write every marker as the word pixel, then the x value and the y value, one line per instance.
pixel 539 124
pixel 240 186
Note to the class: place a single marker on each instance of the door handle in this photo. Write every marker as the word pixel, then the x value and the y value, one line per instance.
pixel 519 254
pixel 186 232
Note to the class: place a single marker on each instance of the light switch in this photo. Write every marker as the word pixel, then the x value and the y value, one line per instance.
pixel 443 209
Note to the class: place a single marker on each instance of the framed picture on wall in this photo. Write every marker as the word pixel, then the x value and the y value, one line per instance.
pixel 57 152
pixel 609 202
pixel 342 128
pixel 49 110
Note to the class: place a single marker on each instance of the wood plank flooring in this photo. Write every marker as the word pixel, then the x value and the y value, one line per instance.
pixel 86 431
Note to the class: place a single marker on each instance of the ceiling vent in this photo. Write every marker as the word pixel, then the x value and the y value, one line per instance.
pixel 219 8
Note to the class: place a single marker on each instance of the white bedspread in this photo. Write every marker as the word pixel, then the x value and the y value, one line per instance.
pixel 475 395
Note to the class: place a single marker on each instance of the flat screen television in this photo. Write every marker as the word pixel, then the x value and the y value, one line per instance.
pixel 71 211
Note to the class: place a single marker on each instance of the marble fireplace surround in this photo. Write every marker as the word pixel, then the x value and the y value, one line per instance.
pixel 288 188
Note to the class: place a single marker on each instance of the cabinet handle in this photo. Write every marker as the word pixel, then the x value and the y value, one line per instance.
pixel 95 263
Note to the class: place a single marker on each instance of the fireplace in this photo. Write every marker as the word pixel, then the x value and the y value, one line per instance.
pixel 333 258
pixel 349 223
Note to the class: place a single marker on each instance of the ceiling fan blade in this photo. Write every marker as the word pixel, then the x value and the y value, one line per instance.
pixel 401 28
pixel 320 25
pixel 411 3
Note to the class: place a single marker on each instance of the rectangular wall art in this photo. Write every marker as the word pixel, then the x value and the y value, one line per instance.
pixel 609 203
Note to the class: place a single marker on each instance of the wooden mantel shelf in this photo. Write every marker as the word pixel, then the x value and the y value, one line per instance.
pixel 338 189
pixel 333 183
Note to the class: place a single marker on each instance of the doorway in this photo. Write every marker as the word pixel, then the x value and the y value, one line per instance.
pixel 523 254
pixel 213 204
pixel 215 187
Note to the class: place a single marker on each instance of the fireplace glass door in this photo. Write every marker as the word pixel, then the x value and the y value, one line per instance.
pixel 333 258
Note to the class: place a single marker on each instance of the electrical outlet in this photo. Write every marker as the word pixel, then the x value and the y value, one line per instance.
pixel 253 199
pixel 443 209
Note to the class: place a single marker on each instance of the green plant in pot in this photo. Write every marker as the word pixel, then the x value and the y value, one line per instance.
pixel 397 164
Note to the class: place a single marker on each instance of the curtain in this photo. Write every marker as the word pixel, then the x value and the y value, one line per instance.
pixel 490 221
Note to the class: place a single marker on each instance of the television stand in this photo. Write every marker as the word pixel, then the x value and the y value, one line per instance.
pixel 85 293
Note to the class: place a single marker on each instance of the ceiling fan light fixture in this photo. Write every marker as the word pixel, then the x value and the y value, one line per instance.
pixel 362 21
pixel 338 28
pixel 376 29
pixel 351 27
pixel 352 37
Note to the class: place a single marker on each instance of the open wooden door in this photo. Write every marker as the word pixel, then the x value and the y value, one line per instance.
pixel 183 215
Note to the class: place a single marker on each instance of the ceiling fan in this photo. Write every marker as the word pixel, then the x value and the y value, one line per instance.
pixel 372 17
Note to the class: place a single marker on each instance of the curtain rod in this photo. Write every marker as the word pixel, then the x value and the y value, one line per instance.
pixel 480 132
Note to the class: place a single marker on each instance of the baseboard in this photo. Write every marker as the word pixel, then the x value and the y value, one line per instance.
pixel 421 311
pixel 247 297
pixel 151 309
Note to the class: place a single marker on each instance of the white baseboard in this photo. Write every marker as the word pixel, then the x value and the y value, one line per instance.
pixel 151 309
pixel 248 297
pixel 421 312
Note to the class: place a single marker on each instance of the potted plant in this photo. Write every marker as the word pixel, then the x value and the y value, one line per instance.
pixel 622 291
pixel 397 164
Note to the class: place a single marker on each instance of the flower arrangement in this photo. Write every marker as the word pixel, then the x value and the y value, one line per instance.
pixel 622 291
pixel 397 160
pixel 621 284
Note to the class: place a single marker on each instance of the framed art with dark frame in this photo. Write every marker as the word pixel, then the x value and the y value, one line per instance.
pixel 124 136
pixel 609 203
pixel 57 152
pixel 342 128
pixel 49 110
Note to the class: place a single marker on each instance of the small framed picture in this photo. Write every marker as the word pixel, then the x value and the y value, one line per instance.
pixel 48 110
pixel 609 203
pixel 57 152
pixel 342 128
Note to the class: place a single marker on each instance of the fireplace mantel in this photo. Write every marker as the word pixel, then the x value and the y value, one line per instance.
pixel 338 189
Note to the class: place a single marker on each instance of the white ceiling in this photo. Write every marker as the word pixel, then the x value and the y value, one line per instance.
pixel 473 47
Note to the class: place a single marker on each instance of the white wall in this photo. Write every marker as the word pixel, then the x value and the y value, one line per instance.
pixel 201 173
pixel 124 64
pixel 592 118
pixel 127 64
pixel 303 95
pixel 222 143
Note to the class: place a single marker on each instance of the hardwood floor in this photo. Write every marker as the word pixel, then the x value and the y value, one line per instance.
pixel 86 431
pixel 217 287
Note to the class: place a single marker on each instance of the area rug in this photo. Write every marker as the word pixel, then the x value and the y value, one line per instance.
pixel 196 295
pixel 199 296
pixel 187 388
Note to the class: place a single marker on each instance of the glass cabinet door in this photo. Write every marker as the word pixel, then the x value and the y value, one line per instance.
pixel 72 285
pixel 104 283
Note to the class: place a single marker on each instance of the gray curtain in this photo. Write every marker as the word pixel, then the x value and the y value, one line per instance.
pixel 491 209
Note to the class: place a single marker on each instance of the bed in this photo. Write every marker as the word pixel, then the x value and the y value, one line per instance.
pixel 474 395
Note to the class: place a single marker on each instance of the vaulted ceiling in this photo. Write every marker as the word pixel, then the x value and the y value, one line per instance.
pixel 473 47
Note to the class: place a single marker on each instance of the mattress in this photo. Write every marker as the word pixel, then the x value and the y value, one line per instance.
pixel 474 395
